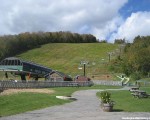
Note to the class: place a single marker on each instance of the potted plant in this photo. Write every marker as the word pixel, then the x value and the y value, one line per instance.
pixel 106 102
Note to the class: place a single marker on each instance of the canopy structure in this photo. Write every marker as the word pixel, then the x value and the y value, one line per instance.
pixel 23 68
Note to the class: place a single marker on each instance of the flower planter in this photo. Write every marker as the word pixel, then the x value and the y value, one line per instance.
pixel 106 102
pixel 107 107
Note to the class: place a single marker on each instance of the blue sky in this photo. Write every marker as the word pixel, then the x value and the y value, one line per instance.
pixel 105 19
pixel 133 6
pixel 136 20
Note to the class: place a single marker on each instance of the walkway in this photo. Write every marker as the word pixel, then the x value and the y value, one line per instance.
pixel 87 107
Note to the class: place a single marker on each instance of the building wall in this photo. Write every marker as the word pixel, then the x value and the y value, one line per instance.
pixel 56 77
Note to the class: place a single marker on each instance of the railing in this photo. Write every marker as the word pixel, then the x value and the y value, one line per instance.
pixel 105 82
pixel 143 83
pixel 41 84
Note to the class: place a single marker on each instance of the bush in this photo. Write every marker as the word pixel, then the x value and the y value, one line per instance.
pixel 136 76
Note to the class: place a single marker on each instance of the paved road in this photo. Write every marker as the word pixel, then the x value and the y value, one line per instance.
pixel 87 107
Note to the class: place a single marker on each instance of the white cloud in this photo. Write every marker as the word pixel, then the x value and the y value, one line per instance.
pixel 137 24
pixel 108 28
pixel 98 17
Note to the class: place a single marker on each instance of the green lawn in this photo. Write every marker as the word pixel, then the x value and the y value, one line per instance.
pixel 124 101
pixel 18 103
pixel 22 102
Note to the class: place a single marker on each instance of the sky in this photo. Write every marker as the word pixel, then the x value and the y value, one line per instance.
pixel 105 19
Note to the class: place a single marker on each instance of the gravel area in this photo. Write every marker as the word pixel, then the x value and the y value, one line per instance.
pixel 86 107
pixel 15 91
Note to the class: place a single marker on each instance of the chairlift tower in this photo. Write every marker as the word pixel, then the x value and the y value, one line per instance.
pixel 84 63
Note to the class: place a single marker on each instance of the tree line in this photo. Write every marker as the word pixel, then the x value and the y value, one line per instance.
pixel 11 45
pixel 135 61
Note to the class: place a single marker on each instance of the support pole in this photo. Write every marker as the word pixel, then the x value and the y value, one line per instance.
pixel 109 56
pixel 84 69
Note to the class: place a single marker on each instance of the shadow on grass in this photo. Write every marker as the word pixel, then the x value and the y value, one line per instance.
pixel 117 110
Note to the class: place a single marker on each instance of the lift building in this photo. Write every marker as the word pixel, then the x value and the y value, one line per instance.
pixel 23 68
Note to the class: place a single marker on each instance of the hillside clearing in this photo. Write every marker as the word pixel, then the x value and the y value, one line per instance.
pixel 66 57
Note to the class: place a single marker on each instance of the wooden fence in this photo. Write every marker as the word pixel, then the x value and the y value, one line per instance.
pixel 41 84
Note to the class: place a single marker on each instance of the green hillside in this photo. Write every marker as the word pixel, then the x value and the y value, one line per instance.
pixel 66 57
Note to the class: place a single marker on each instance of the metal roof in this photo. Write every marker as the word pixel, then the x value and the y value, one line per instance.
pixel 23 61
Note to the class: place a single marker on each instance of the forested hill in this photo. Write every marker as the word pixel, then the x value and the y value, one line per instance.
pixel 11 45
pixel 135 61
pixel 137 57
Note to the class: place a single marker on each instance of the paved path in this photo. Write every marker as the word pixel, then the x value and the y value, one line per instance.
pixel 87 107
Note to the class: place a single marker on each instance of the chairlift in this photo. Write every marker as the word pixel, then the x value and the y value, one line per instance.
pixel 80 68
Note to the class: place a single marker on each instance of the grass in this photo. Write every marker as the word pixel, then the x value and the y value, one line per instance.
pixel 66 57
pixel 22 102
pixel 124 101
